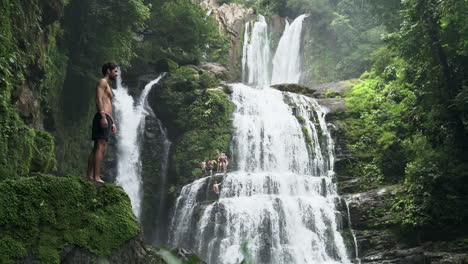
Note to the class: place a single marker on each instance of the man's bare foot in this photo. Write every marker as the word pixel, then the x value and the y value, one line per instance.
pixel 100 180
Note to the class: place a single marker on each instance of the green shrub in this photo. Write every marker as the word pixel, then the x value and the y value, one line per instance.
pixel 197 118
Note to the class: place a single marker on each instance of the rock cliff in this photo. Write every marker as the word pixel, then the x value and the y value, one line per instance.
pixel 231 18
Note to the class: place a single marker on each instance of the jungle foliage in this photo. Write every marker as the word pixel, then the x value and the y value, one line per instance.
pixel 180 30
pixel 409 113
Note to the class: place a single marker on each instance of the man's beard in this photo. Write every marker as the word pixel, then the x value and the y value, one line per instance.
pixel 112 77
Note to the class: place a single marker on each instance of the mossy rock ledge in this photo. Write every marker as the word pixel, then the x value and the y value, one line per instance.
pixel 49 219
pixel 295 88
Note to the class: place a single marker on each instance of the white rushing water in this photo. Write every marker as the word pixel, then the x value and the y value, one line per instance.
pixel 287 60
pixel 278 207
pixel 256 59
pixel 130 117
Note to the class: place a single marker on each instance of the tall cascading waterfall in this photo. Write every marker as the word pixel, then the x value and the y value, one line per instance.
pixel 287 61
pixel 131 123
pixel 256 57
pixel 279 204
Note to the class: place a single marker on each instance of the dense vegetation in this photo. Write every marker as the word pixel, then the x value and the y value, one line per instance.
pixel 181 31
pixel 23 59
pixel 409 114
pixel 197 112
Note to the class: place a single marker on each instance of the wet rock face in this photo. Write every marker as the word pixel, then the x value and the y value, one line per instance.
pixel 277 24
pixel 371 209
pixel 377 240
pixel 154 212
pixel 132 251
pixel 433 253
pixel 296 88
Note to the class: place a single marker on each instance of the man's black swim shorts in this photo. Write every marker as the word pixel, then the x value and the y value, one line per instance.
pixel 98 131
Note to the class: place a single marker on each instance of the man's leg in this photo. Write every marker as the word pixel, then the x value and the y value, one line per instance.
pixel 91 158
pixel 98 157
pixel 90 172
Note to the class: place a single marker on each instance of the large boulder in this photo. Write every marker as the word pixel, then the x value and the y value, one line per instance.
pixel 215 68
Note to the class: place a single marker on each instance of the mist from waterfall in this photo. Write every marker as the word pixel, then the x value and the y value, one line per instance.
pixel 278 206
pixel 130 117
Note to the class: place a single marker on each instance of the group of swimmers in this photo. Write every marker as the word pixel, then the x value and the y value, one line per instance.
pixel 221 165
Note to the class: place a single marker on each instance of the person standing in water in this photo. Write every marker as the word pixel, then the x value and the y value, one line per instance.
pixel 103 123
pixel 224 162
pixel 211 164
pixel 216 188
pixel 220 162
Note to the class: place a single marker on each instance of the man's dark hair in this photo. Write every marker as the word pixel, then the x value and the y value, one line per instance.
pixel 108 66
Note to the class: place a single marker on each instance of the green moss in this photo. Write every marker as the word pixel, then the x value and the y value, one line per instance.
pixel 329 93
pixel 209 80
pixel 45 213
pixel 301 120
pixel 43 152
pixel 306 135
pixel 172 65
pixel 22 149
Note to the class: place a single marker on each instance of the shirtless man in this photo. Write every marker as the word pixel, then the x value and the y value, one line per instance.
pixel 203 167
pixel 103 123
pixel 210 166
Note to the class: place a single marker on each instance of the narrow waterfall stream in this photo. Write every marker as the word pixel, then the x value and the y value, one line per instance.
pixel 131 121
pixel 278 206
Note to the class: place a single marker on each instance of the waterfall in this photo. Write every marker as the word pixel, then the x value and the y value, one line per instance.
pixel 278 206
pixel 131 123
pixel 256 59
pixel 286 63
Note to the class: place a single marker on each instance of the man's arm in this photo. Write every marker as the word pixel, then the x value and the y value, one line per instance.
pixel 100 90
